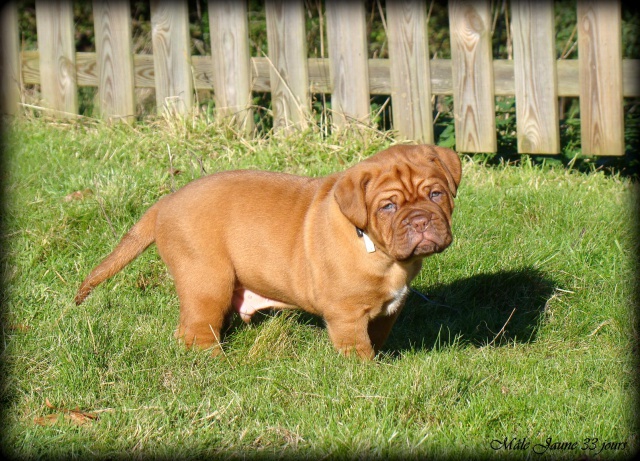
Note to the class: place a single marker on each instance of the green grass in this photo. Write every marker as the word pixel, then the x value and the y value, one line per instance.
pixel 528 329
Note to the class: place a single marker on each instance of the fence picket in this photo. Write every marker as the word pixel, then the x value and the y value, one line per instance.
pixel 536 85
pixel 473 91
pixel 347 36
pixel 54 24
pixel 409 69
pixel 9 59
pixel 172 56
pixel 116 86
pixel 600 51
pixel 231 61
pixel 288 64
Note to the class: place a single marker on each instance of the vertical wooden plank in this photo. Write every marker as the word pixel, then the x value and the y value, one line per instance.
pixel 600 71
pixel 9 58
pixel 472 71
pixel 347 37
pixel 289 73
pixel 172 56
pixel 112 24
pixel 535 76
pixel 410 70
pixel 54 24
pixel 231 62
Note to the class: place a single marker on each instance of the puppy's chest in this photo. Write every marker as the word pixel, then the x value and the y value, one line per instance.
pixel 398 298
pixel 396 287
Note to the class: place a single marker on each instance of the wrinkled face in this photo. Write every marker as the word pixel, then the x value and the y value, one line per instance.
pixel 410 209
pixel 403 198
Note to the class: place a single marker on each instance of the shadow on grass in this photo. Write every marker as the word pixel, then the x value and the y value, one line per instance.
pixel 473 311
pixel 468 311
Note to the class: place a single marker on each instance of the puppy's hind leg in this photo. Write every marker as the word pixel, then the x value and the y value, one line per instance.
pixel 205 303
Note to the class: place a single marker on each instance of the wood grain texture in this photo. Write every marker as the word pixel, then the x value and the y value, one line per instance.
pixel 116 83
pixel 9 59
pixel 230 62
pixel 536 86
pixel 347 37
pixel 320 82
pixel 473 89
pixel 409 70
pixel 54 24
pixel 172 56
pixel 600 52
pixel 288 70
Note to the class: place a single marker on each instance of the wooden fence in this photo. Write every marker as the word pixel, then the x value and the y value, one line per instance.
pixel 600 77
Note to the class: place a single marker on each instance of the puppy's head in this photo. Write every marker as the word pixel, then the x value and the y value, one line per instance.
pixel 402 198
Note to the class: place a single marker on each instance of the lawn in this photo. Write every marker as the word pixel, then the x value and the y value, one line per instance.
pixel 519 339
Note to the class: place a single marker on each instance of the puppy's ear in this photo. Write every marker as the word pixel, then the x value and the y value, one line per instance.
pixel 451 165
pixel 349 192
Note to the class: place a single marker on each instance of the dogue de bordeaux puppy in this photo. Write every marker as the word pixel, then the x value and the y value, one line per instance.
pixel 344 247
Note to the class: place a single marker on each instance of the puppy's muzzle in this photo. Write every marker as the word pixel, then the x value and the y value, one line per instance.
pixel 425 233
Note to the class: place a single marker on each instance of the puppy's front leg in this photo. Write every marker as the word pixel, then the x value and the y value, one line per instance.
pixel 350 335
pixel 379 329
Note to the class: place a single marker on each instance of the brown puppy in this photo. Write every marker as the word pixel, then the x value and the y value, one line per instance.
pixel 344 247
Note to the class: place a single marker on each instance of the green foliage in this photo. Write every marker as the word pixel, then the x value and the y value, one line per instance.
pixel 523 328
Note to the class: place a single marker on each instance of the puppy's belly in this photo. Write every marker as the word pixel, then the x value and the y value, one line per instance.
pixel 247 303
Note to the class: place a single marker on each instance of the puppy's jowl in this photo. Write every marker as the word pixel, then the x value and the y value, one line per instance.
pixel 344 247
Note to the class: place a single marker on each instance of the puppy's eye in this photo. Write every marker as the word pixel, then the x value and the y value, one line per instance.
pixel 389 207
pixel 435 195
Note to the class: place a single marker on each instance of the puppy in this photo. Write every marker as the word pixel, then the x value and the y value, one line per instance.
pixel 344 247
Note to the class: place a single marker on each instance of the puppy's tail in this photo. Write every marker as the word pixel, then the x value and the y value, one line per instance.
pixel 132 244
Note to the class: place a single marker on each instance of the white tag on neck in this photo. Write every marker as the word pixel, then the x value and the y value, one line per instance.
pixel 368 244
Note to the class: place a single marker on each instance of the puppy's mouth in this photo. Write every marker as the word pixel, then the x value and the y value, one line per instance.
pixel 429 244
pixel 422 235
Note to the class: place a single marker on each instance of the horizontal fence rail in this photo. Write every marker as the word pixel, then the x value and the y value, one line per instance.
pixel 600 78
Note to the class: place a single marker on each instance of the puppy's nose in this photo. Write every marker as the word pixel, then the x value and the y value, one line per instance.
pixel 421 223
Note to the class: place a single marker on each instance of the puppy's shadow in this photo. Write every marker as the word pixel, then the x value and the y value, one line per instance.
pixel 491 308
pixel 495 308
